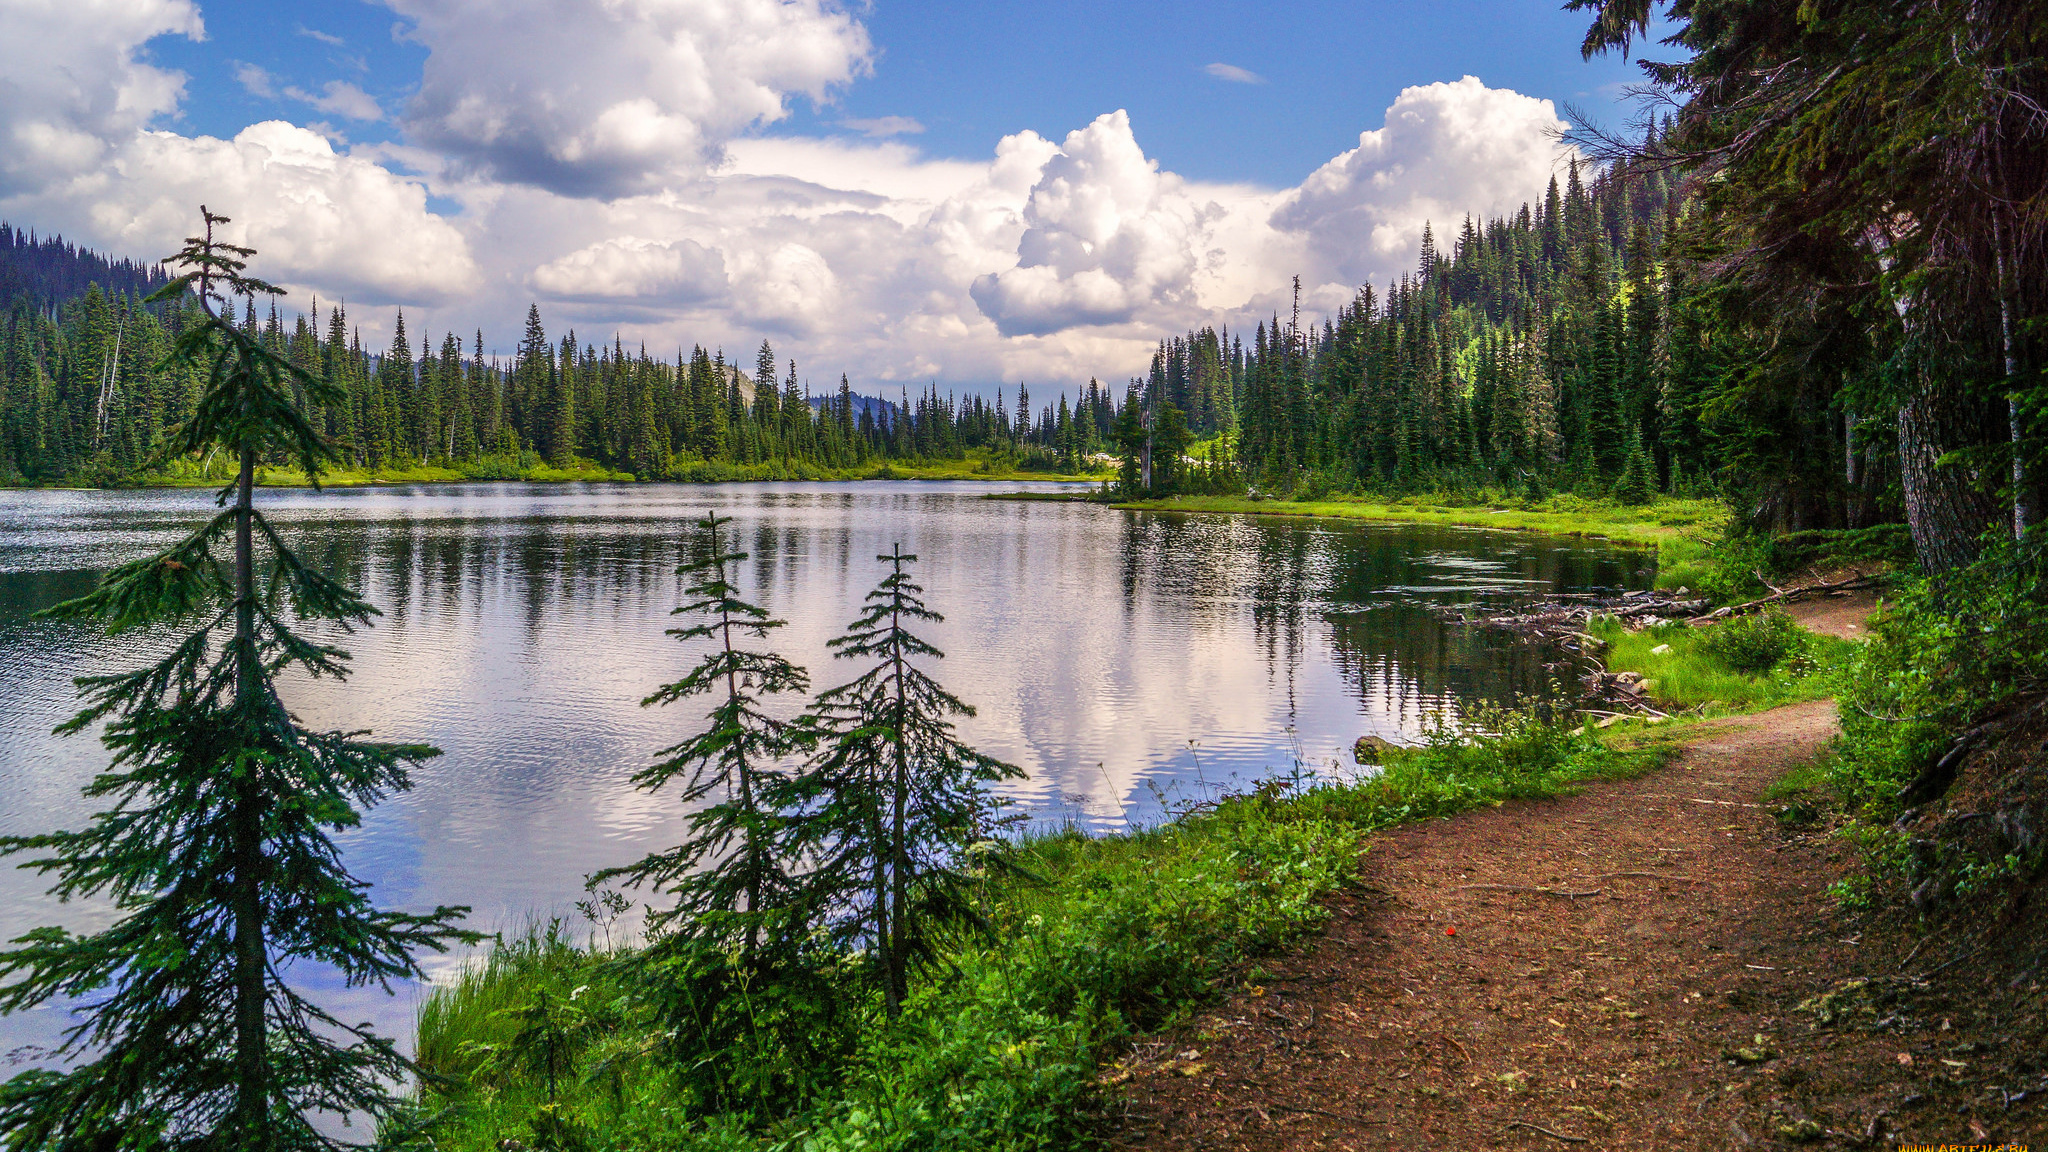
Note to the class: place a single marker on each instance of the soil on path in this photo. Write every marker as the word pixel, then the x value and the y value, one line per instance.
pixel 1845 614
pixel 1616 969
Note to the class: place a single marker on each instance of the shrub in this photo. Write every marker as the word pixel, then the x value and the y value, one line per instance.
pixel 1755 644
pixel 1945 651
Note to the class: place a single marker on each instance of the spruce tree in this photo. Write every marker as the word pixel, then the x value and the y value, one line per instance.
pixel 216 850
pixel 903 798
pixel 732 868
pixel 1638 481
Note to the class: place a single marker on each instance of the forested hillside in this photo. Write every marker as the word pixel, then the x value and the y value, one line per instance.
pixel 1570 346
pixel 82 396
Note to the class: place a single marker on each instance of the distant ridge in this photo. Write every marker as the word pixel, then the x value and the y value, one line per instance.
pixel 50 270
pixel 881 410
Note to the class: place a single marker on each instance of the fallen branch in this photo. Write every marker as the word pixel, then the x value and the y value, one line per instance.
pixel 1513 1124
pixel 1647 876
pixel 1453 1042
pixel 1527 888
pixel 1319 1112
pixel 1952 963
pixel 1790 594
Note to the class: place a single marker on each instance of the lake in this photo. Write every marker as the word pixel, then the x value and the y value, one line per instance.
pixel 1126 661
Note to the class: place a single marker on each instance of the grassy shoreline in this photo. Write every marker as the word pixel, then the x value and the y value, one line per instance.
pixel 1647 526
pixel 579 471
pixel 1005 1046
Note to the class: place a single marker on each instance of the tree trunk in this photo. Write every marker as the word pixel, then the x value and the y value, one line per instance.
pixel 1853 512
pixel 1944 511
pixel 899 943
pixel 252 1093
pixel 2024 513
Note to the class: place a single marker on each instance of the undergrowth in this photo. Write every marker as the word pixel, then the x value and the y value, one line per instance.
pixel 552 1045
pixel 1729 565
pixel 1743 665
pixel 1948 655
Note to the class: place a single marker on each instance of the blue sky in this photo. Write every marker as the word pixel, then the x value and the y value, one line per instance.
pixel 968 74
pixel 904 192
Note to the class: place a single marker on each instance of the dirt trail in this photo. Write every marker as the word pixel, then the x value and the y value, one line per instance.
pixel 1845 614
pixel 1583 972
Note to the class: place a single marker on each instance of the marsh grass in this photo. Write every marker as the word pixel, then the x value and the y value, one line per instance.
pixel 1650 525
pixel 1003 1045
pixel 1697 672
pixel 528 467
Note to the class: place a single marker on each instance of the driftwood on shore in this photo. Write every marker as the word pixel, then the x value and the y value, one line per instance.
pixel 1565 619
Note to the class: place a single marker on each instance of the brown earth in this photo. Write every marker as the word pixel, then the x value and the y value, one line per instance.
pixel 1618 969
pixel 1845 614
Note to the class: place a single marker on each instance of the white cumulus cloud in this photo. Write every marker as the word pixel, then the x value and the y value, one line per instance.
pixel 72 89
pixel 1045 262
pixel 604 98
pixel 629 267
pixel 318 217
pixel 1108 236
pixel 76 106
pixel 1446 149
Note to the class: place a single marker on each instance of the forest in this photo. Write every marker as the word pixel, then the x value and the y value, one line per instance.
pixel 1811 285
pixel 84 396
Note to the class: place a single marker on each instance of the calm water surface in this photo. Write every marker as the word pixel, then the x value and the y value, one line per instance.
pixel 1120 659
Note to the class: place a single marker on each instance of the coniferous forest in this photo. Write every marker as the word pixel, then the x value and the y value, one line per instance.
pixel 1809 289
pixel 84 395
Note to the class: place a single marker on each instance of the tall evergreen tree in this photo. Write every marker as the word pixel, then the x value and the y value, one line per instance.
pixel 216 852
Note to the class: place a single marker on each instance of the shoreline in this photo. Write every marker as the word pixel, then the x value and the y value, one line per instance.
pixel 280 478
pixel 1648 526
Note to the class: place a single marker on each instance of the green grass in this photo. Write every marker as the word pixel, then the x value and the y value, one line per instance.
pixel 1001 1046
pixel 527 467
pixel 1650 525
pixel 1692 675
pixel 1802 781
pixel 1040 497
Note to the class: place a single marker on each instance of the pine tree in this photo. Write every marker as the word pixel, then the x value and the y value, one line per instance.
pixel 732 869
pixel 216 852
pixel 1638 481
pixel 532 374
pixel 561 407
pixel 904 799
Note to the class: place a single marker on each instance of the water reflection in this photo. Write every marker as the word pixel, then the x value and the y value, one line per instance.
pixel 523 624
